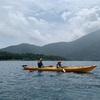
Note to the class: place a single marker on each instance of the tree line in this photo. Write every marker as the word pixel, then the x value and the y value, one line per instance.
pixel 27 56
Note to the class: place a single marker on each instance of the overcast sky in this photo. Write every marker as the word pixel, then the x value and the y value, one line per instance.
pixel 41 22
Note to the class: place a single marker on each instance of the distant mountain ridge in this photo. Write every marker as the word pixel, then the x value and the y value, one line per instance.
pixel 84 48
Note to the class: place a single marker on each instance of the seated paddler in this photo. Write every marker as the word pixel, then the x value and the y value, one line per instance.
pixel 40 63
pixel 59 64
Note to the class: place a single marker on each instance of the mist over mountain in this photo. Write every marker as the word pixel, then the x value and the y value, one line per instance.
pixel 84 48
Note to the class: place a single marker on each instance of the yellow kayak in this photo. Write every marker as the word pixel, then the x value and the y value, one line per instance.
pixel 64 69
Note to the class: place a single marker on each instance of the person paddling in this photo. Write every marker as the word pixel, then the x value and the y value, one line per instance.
pixel 40 64
pixel 59 64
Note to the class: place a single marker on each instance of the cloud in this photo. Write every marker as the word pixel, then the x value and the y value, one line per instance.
pixel 85 21
pixel 46 21
pixel 65 15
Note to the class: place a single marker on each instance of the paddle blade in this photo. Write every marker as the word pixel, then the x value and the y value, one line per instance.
pixel 64 70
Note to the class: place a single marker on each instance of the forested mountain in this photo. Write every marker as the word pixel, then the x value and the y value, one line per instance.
pixel 22 48
pixel 84 48
pixel 27 56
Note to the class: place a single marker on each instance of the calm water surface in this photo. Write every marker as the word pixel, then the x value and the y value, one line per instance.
pixel 19 84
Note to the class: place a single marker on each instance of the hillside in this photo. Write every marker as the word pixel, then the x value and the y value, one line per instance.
pixel 23 48
pixel 27 56
pixel 84 48
pixel 87 47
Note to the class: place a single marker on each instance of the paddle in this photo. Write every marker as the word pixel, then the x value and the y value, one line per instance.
pixel 24 65
pixel 64 70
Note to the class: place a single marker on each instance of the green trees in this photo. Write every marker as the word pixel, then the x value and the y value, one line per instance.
pixel 27 56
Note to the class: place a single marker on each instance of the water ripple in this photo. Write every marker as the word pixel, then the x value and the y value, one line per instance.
pixel 18 84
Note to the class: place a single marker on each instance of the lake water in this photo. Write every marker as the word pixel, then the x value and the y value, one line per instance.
pixel 19 84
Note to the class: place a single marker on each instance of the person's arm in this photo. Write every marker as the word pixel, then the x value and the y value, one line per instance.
pixel 57 65
pixel 42 64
